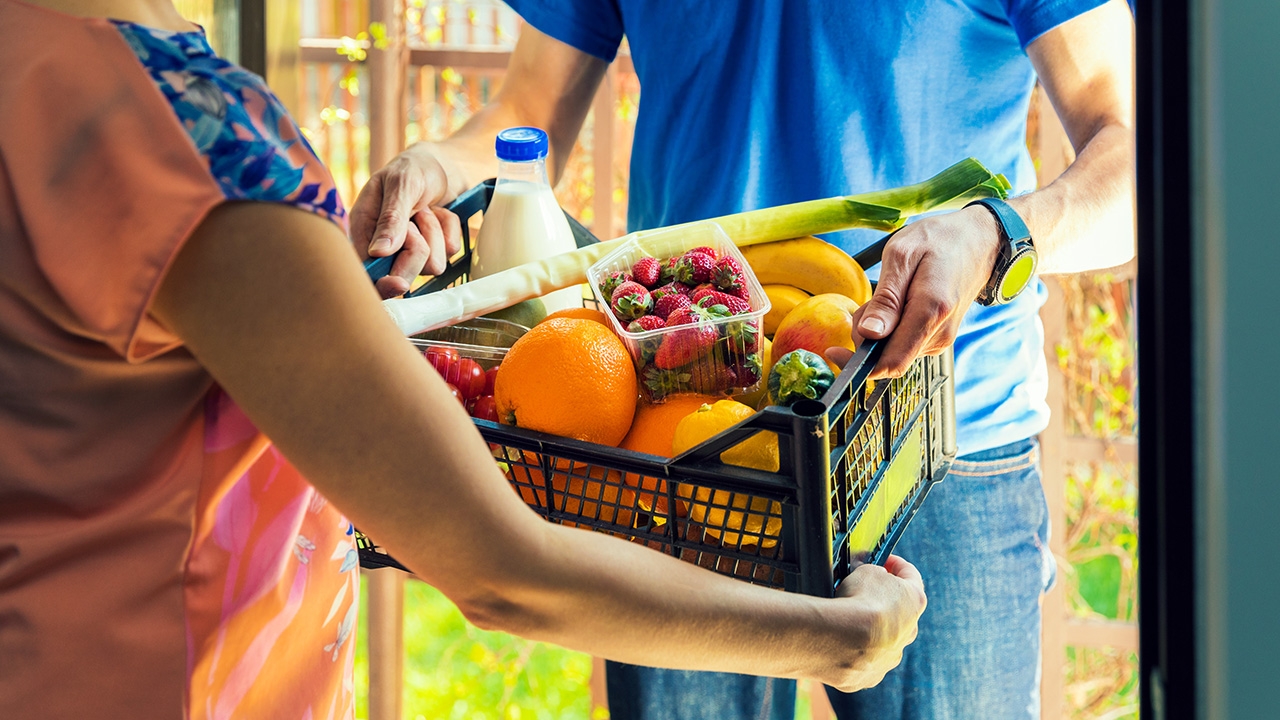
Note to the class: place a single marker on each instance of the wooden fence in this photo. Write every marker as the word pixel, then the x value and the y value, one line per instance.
pixel 420 75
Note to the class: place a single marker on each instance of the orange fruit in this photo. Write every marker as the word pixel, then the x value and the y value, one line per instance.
pixel 581 314
pixel 568 377
pixel 652 432
pixel 579 489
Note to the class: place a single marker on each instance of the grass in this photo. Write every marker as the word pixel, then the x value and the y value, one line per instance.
pixel 454 671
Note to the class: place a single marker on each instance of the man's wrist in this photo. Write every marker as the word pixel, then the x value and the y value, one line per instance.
pixel 991 238
pixel 433 157
pixel 1016 257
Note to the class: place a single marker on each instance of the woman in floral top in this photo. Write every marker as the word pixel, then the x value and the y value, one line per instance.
pixel 175 287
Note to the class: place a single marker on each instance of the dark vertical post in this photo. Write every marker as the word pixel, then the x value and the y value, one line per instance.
pixel 811 451
pixel 1166 455
pixel 253 36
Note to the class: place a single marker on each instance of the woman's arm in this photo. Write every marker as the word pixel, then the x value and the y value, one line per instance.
pixel 271 301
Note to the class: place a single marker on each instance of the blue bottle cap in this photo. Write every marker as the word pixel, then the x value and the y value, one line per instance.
pixel 521 144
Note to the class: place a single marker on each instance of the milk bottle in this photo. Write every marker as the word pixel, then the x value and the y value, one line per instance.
pixel 523 222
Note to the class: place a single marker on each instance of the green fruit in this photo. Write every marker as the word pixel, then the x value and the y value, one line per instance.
pixel 799 375
pixel 527 313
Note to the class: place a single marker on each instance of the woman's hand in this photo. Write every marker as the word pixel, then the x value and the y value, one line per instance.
pixel 403 207
pixel 889 602
pixel 350 404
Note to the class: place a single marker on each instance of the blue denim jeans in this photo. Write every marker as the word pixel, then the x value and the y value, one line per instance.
pixel 981 541
pixel 644 693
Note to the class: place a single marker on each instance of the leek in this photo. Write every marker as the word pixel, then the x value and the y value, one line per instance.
pixel 884 210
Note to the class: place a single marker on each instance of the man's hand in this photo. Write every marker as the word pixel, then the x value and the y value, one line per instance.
pixel 931 272
pixel 548 84
pixel 933 269
pixel 894 598
pixel 402 206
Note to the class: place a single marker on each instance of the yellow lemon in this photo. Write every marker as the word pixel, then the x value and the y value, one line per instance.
pixel 720 511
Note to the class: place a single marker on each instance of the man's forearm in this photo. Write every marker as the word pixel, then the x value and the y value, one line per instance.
pixel 1084 220
pixel 468 155
pixel 548 85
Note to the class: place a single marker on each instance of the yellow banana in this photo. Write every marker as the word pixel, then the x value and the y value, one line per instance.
pixel 813 265
pixel 782 298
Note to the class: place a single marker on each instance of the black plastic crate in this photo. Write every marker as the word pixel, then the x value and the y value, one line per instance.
pixel 855 467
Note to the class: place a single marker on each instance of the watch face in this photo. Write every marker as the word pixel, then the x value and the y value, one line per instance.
pixel 1018 276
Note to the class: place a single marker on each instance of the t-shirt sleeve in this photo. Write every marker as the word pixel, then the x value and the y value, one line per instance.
pixel 1033 18
pixel 118 152
pixel 592 26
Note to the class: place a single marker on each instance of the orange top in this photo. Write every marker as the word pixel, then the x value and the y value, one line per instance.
pixel 157 555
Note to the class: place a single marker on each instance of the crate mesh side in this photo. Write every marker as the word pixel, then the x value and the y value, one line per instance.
pixel 907 392
pixel 921 479
pixel 733 533
pixel 863 458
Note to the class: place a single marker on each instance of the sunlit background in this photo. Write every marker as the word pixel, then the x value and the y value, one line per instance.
pixel 452 670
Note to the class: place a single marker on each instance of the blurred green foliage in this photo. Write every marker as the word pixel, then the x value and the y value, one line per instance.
pixel 1097 361
pixel 454 671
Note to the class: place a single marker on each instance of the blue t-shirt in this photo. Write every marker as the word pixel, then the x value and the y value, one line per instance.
pixel 754 104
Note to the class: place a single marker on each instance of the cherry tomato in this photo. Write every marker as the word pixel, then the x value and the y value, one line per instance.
pixel 469 377
pixel 453 389
pixel 490 378
pixel 442 359
pixel 485 408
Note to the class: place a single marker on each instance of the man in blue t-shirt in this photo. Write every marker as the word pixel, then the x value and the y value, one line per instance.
pixel 754 104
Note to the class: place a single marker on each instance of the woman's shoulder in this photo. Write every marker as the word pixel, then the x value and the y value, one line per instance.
pixel 254 149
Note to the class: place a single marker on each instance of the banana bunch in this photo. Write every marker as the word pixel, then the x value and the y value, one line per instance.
pixel 812 265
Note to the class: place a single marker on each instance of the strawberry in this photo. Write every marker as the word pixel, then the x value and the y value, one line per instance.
pixel 661 383
pixel 694 268
pixel 746 370
pixel 708 251
pixel 741 292
pixel 683 316
pixel 646 323
pixel 696 293
pixel 711 378
pixel 727 275
pixel 734 304
pixel 742 338
pixel 667 272
pixel 685 345
pixel 669 303
pixel 670 288
pixel 612 280
pixel 646 271
pixel 630 301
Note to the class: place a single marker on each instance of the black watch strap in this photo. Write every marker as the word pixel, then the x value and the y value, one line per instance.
pixel 1014 233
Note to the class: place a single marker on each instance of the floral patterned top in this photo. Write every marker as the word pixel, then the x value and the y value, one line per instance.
pixel 157 555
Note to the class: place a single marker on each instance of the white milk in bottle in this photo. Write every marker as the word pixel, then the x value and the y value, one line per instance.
pixel 524 222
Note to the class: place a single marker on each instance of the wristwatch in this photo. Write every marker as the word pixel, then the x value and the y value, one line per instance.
pixel 1016 264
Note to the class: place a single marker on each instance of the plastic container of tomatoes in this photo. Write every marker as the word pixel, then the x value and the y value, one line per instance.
pixel 467 356
pixel 855 466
